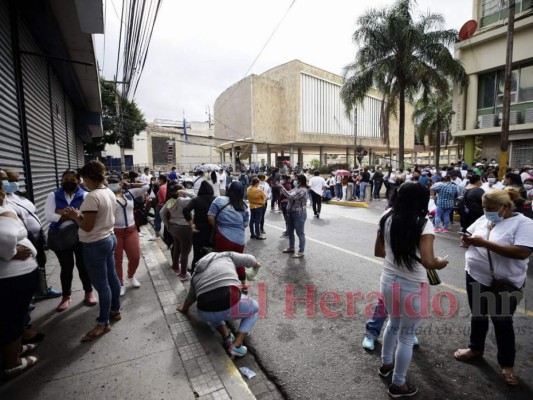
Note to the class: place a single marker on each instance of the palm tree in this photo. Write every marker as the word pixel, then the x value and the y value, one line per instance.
pixel 433 115
pixel 400 57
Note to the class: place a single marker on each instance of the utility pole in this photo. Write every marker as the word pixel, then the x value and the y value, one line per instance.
pixel 504 144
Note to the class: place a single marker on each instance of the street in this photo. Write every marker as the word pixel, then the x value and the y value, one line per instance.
pixel 311 346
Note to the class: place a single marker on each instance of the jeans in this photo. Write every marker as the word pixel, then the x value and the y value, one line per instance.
pixel 483 303
pixel 317 202
pixel 127 241
pixel 402 325
pixel 443 214
pixel 246 310
pixel 66 261
pixel 157 221
pixel 338 190
pixel 100 262
pixel 275 197
pixel 362 190
pixel 263 217
pixel 296 222
pixel 374 324
pixel 377 189
pixel 255 221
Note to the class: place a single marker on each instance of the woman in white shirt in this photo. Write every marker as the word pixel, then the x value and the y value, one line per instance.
pixel 125 228
pixel 96 219
pixel 18 281
pixel 214 182
pixel 405 241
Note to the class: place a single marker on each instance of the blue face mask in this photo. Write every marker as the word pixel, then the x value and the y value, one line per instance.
pixel 492 180
pixel 5 186
pixel 493 216
pixel 11 187
pixel 115 187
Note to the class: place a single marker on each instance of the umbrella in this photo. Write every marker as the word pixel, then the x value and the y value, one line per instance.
pixel 210 167
pixel 342 172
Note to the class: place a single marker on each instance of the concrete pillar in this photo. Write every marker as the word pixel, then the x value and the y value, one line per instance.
pixel 300 157
pixel 269 158
pixel 471 103
pixel 321 156
pixel 253 156
pixel 275 163
pixel 348 157
pixel 291 156
pixel 233 162
pixel 325 158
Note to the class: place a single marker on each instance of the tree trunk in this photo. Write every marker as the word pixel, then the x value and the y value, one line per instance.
pixel 401 133
pixel 437 149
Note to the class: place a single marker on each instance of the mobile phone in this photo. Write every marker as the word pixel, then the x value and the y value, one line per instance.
pixel 465 233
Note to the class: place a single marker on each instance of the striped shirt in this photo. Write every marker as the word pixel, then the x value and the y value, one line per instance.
pixel 446 193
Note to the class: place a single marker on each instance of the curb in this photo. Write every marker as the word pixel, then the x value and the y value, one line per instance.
pixel 211 373
pixel 352 203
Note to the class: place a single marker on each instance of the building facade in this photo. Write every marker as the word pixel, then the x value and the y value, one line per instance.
pixel 478 110
pixel 295 110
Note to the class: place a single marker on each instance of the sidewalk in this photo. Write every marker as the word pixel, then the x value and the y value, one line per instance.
pixel 154 352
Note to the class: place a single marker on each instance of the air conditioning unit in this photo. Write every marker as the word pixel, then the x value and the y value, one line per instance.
pixel 528 115
pixel 488 121
pixel 514 118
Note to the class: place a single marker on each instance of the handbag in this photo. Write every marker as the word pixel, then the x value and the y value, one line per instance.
pixel 500 285
pixel 63 239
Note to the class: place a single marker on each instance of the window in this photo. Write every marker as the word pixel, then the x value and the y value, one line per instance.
pixel 491 86
pixel 496 10
pixel 525 92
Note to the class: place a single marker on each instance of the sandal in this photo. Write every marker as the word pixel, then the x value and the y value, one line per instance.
pixel 96 332
pixel 113 317
pixel 288 250
pixel 467 355
pixel 509 377
pixel 25 364
pixel 26 348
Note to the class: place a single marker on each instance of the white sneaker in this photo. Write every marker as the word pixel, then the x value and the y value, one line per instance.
pixel 134 282
pixel 141 234
pixel 122 290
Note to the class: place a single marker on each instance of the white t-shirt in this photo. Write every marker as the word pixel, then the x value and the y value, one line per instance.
pixel 50 208
pixel 317 184
pixel 265 187
pixel 125 203
pixel 215 186
pixel 13 233
pixel 222 180
pixel 101 201
pixel 197 181
pixel 145 178
pixel 25 210
pixel 517 230
pixel 419 273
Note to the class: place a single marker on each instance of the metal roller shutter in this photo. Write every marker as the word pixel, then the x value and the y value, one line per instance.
pixel 10 140
pixel 71 136
pixel 39 124
pixel 80 152
pixel 60 132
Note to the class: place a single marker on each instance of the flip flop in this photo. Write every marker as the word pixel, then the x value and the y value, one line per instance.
pixel 26 348
pixel 25 364
pixel 467 355
pixel 509 377
pixel 96 332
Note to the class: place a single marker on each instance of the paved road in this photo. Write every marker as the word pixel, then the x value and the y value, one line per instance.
pixel 312 353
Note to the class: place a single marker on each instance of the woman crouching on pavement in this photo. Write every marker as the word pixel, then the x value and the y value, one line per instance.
pixel 217 286
pixel 499 245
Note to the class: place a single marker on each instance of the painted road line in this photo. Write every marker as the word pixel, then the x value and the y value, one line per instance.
pixel 521 310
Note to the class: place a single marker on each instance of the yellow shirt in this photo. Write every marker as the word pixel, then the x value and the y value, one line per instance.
pixel 256 197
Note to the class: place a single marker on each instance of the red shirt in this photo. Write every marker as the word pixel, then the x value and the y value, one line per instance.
pixel 162 195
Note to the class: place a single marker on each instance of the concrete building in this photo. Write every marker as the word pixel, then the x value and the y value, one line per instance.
pixel 163 146
pixel 478 109
pixel 295 110
pixel 50 91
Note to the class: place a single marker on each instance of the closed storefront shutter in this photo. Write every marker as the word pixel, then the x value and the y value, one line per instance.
pixel 521 153
pixel 60 129
pixel 38 121
pixel 80 152
pixel 10 139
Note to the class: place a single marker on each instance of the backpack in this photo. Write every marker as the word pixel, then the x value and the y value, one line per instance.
pixel 138 208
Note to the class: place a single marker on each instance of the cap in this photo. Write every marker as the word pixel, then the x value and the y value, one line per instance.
pixel 479 164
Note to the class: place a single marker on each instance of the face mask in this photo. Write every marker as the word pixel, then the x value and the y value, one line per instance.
pixel 456 168
pixel 115 187
pixel 11 188
pixel 69 186
pixel 528 187
pixel 492 180
pixel 493 216
pixel 282 181
pixel 5 185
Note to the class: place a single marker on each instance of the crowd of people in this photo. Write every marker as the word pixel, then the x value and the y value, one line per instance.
pixel 95 216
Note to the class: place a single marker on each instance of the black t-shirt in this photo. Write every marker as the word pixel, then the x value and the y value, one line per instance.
pixel 365 177
pixel 472 200
pixel 219 299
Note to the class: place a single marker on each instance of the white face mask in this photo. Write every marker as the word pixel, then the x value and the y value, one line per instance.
pixel 528 186
pixel 492 180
